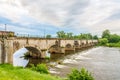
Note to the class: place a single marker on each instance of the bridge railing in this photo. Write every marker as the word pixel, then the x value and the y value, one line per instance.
pixel 30 36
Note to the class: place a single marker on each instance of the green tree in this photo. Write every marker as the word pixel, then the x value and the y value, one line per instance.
pixel 89 36
pixel 48 36
pixel 95 37
pixel 103 41
pixel 85 36
pixel 106 34
pixel 69 35
pixel 61 34
pixel 114 38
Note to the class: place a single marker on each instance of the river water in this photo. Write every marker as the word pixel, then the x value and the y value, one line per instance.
pixel 102 62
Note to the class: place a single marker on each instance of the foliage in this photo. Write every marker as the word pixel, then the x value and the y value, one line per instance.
pixel 95 37
pixel 103 41
pixel 48 36
pixel 41 68
pixel 61 34
pixel 85 36
pixel 113 44
pixel 114 38
pixel 27 54
pixel 106 34
pixel 83 74
pixel 11 35
pixel 110 40
pixel 8 72
pixel 69 35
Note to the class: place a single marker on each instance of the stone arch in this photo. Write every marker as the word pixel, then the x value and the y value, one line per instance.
pixel 54 49
pixel 33 51
pixel 76 43
pixel 68 45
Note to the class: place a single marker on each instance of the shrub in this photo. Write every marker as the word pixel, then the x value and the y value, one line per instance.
pixel 103 41
pixel 80 75
pixel 113 44
pixel 42 68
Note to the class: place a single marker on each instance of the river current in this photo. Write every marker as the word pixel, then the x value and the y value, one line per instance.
pixel 102 62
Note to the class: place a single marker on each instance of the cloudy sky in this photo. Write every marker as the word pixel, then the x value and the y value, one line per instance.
pixel 37 17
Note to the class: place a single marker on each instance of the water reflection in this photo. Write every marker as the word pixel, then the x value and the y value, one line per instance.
pixel 18 59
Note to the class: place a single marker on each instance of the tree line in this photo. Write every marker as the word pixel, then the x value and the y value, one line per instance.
pixel 70 35
pixel 108 39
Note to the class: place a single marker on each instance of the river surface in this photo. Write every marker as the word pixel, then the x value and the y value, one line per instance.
pixel 102 62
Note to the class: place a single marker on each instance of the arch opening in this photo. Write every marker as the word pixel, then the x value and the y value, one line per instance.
pixel 68 45
pixel 33 52
pixel 54 49
pixel 76 43
pixel 20 58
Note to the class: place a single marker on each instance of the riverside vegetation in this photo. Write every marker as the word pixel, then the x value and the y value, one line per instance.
pixel 40 72
pixel 8 72
pixel 109 40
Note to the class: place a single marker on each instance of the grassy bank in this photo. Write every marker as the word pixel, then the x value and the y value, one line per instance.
pixel 113 44
pixel 8 72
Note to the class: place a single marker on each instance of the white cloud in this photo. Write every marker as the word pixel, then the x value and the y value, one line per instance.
pixel 53 11
pixel 113 26
pixel 97 11
pixel 12 10
pixel 91 15
pixel 18 29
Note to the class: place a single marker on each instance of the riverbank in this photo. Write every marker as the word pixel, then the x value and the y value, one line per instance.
pixel 113 44
pixel 8 72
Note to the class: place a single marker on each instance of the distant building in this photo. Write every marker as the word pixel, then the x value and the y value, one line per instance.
pixel 7 34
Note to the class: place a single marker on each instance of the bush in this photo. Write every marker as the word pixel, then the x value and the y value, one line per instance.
pixel 80 75
pixel 113 44
pixel 42 68
pixel 103 41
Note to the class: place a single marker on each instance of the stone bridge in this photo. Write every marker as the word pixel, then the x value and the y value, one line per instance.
pixel 38 46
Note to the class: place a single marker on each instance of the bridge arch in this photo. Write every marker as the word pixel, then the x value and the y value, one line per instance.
pixel 54 49
pixel 76 43
pixel 33 51
pixel 68 45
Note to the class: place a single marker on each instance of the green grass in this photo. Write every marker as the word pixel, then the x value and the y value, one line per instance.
pixel 8 72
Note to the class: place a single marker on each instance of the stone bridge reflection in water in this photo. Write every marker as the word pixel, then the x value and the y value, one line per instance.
pixel 20 60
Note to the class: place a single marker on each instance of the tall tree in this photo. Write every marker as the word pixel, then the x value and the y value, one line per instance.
pixel 48 36
pixel 69 35
pixel 106 34
pixel 114 38
pixel 95 37
pixel 61 34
